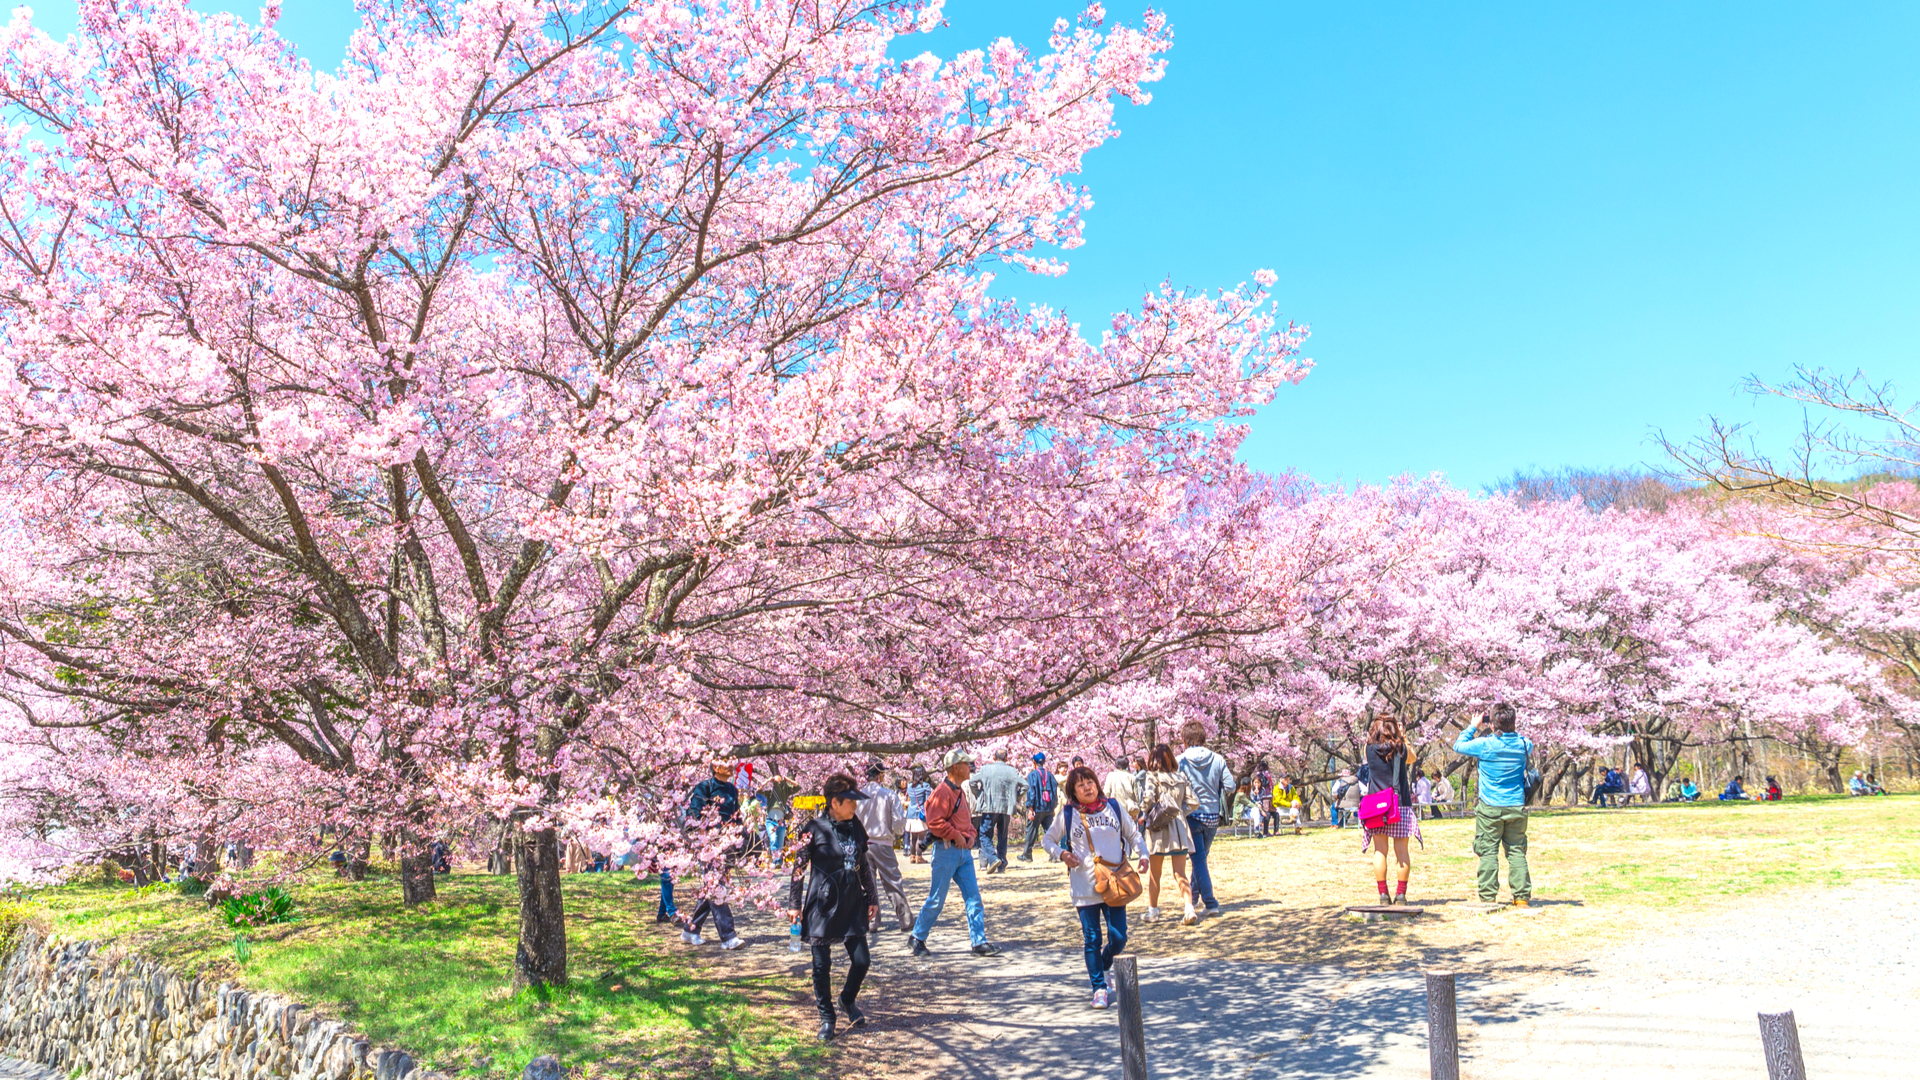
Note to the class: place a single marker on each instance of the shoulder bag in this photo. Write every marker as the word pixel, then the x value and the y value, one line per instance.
pixel 1117 883
pixel 1161 812
pixel 1382 808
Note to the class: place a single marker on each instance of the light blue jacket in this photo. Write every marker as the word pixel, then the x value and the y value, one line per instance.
pixel 1503 765
pixel 1207 775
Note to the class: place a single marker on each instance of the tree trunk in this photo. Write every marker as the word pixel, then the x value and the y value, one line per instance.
pixel 541 957
pixel 416 874
pixel 358 859
pixel 1835 783
pixel 242 857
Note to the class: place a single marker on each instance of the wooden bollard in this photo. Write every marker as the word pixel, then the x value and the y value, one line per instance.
pixel 1133 1028
pixel 1443 1027
pixel 1780 1038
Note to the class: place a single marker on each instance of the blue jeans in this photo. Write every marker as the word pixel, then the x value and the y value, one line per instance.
pixel 1202 843
pixel 666 895
pixel 1099 959
pixel 952 865
pixel 776 837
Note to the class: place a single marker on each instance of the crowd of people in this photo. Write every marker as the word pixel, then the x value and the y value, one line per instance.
pixel 1146 828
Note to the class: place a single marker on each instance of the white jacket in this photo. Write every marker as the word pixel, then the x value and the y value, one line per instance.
pixel 1115 838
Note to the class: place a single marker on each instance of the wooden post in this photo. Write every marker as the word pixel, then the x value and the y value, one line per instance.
pixel 1780 1038
pixel 1133 1031
pixel 1443 1027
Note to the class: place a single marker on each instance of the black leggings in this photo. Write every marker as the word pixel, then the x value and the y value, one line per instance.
pixel 857 961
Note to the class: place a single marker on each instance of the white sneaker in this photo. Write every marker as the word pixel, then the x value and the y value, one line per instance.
pixel 1099 999
pixel 1153 914
pixel 732 943
pixel 690 937
pixel 1190 917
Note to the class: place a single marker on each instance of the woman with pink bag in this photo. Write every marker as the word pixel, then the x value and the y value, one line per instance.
pixel 1387 810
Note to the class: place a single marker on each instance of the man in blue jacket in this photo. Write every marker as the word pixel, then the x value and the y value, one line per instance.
pixel 718 794
pixel 1500 821
pixel 1043 798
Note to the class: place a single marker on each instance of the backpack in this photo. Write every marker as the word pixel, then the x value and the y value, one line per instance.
pixel 1530 778
pixel 1047 789
pixel 1161 813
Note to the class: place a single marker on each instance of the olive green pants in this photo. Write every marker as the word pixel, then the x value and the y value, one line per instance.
pixel 1496 827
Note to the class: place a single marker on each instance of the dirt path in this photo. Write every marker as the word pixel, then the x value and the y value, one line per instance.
pixel 1282 986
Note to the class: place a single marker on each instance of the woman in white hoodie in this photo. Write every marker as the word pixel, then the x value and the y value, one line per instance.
pixel 1091 825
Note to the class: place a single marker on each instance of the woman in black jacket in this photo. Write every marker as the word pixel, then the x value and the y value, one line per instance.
pixel 1387 767
pixel 833 899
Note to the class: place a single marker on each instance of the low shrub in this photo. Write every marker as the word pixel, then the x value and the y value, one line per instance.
pixel 264 908
pixel 191 886
pixel 13 918
pixel 143 892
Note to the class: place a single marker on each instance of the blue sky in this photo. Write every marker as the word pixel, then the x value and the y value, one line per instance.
pixel 1524 234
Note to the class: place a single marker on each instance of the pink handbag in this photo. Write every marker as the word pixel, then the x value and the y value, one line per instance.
pixel 1380 809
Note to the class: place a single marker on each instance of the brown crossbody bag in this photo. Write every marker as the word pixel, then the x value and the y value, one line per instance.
pixel 1117 883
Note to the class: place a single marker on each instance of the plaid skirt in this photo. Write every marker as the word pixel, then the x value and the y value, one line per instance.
pixel 1407 827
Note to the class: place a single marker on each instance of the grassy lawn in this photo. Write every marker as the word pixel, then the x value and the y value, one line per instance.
pixel 1601 878
pixel 433 980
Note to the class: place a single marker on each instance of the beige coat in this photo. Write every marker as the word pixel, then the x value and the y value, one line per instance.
pixel 1173 838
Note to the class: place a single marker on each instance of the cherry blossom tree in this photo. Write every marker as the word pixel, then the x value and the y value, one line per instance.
pixel 557 394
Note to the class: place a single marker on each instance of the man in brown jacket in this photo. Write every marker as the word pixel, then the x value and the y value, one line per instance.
pixel 950 822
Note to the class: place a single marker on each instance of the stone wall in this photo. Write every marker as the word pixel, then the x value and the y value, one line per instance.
pixel 69 1006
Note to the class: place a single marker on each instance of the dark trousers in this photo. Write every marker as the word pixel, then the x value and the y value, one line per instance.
pixel 857 963
pixel 722 918
pixel 1202 843
pixel 1037 824
pixel 992 844
pixel 1099 958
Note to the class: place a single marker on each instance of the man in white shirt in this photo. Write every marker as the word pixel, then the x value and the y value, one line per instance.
pixel 884 819
pixel 1423 793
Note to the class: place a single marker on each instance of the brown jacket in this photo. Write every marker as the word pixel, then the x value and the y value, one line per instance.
pixel 950 815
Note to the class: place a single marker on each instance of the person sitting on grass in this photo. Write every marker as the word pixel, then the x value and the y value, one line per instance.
pixel 1735 790
pixel 1689 790
pixel 1773 790
pixel 1873 786
pixel 1858 785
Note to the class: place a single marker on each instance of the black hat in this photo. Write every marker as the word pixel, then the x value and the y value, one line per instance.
pixel 851 793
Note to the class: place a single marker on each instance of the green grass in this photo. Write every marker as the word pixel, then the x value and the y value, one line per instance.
pixel 1657 855
pixel 433 980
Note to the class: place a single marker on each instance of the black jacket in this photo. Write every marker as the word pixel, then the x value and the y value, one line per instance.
pixel 1387 765
pixel 832 882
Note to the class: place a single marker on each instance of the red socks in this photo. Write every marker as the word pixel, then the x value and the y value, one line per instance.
pixel 1383 888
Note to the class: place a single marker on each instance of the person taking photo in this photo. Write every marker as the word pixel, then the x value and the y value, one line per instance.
pixel 1500 821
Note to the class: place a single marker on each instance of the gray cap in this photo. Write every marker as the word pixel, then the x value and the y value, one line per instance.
pixel 955 756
